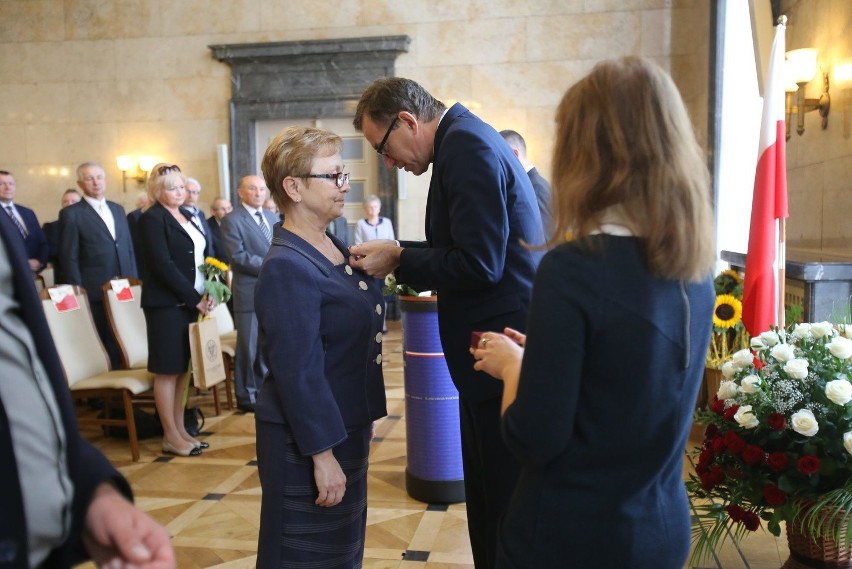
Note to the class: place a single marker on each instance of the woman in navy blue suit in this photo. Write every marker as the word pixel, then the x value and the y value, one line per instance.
pixel 173 248
pixel 320 329
pixel 598 405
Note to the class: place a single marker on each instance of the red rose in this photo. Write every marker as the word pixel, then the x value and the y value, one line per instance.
pixel 778 461
pixel 735 512
pixel 718 406
pixel 704 459
pixel 730 412
pixel 717 476
pixel 734 443
pixel 774 495
pixel 718 445
pixel 753 454
pixel 711 432
pixel 808 465
pixel 777 421
pixel 751 521
pixel 707 481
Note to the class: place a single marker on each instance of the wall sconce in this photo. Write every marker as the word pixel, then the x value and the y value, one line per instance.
pixel 142 165
pixel 800 68
pixel 842 79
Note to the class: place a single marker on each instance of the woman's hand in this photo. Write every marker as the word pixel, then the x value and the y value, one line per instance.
pixel 330 480
pixel 205 305
pixel 498 354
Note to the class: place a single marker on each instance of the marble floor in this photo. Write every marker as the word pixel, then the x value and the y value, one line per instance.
pixel 211 503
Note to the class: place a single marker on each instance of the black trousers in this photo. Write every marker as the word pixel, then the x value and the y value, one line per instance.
pixel 490 474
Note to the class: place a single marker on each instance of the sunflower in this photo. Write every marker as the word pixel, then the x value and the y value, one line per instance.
pixel 728 311
pixel 214 262
pixel 733 274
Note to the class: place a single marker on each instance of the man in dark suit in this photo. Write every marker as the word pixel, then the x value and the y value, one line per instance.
pixel 95 246
pixel 247 235
pixel 480 215
pixel 40 444
pixel 51 231
pixel 193 190
pixel 25 222
pixel 220 208
pixel 540 185
pixel 142 201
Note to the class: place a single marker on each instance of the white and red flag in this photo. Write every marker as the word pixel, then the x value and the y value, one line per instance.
pixel 764 261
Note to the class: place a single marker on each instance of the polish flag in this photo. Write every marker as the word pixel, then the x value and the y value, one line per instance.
pixel 762 279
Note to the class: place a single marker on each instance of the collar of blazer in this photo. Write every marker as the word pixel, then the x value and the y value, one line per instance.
pixel 285 238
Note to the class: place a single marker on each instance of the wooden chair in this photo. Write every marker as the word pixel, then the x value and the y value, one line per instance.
pixel 127 320
pixel 86 366
pixel 228 341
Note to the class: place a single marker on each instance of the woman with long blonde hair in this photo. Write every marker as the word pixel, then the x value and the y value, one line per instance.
pixel 598 398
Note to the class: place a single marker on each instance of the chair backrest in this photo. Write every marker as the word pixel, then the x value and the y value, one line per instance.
pixel 224 320
pixel 127 320
pixel 80 349
pixel 49 276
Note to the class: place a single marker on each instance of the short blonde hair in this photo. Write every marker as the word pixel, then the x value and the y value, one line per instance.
pixel 624 141
pixel 292 153
pixel 157 182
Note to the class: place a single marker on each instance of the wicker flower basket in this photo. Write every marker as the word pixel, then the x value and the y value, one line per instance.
pixel 808 551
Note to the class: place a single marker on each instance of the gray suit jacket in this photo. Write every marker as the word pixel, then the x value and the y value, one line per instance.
pixel 87 252
pixel 245 247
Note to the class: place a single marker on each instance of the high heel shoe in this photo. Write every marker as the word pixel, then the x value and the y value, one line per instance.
pixel 201 444
pixel 171 449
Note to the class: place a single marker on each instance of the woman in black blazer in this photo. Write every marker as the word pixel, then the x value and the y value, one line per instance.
pixel 172 297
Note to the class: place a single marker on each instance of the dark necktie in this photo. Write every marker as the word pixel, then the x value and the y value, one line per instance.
pixel 263 227
pixel 16 221
pixel 197 214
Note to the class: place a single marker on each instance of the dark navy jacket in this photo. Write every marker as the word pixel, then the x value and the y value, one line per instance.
pixel 87 467
pixel 481 214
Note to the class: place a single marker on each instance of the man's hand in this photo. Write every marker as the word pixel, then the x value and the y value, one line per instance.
pixel 377 258
pixel 119 535
pixel 35 265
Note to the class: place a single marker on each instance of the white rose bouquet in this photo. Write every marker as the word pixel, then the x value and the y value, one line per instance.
pixel 778 442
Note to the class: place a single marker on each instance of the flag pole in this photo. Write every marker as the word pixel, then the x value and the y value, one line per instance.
pixel 782 270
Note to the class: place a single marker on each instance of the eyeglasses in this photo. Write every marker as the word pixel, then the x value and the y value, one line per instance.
pixel 381 147
pixel 166 168
pixel 339 178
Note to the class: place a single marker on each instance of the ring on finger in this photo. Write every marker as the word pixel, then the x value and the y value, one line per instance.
pixel 484 342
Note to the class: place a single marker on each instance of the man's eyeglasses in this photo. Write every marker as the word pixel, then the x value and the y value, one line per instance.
pixel 166 168
pixel 381 147
pixel 339 178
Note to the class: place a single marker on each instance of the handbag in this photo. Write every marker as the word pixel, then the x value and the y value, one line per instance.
pixel 193 420
pixel 208 368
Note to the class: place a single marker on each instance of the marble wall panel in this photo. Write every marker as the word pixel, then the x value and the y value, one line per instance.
pixel 32 20
pixel 115 101
pixel 584 36
pixel 656 33
pixel 99 19
pixel 805 202
pixel 13 147
pixel 481 42
pixel 529 84
pixel 617 5
pixel 155 58
pixel 205 17
pixel 384 13
pixel 31 103
pixel 309 14
pixel 195 98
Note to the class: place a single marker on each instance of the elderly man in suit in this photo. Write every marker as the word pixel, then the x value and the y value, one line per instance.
pixel 95 246
pixel 247 235
pixel 219 208
pixel 61 500
pixel 25 221
pixel 193 191
pixel 481 215
pixel 540 185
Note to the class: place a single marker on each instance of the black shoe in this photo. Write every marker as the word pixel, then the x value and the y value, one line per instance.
pixel 247 407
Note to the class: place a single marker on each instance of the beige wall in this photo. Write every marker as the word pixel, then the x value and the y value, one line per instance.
pixel 819 163
pixel 91 79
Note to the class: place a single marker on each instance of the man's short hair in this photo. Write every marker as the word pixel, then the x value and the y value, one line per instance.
pixel 515 140
pixel 385 98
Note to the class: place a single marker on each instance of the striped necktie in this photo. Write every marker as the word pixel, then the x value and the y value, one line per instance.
pixel 263 227
pixel 16 221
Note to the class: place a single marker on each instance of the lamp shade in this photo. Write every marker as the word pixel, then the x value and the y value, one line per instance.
pixel 125 162
pixel 802 64
pixel 147 162
pixel 843 75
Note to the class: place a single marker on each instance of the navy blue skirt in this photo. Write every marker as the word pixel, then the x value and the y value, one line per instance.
pixel 295 533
